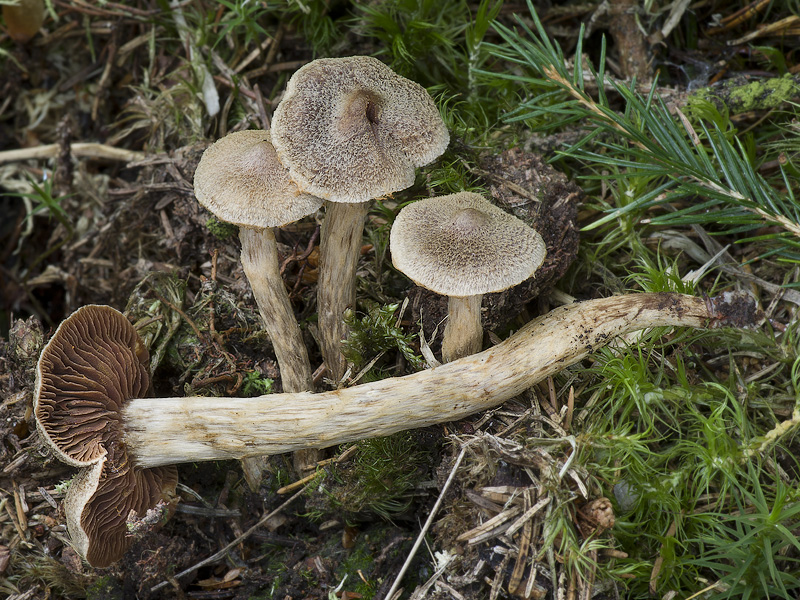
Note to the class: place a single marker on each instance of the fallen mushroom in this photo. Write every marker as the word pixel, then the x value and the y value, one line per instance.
pixel 91 370
pixel 463 246
pixel 162 431
pixel 240 180
pixel 350 130
pixel 94 363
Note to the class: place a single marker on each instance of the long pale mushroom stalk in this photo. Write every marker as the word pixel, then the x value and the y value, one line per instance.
pixel 259 258
pixel 173 430
pixel 240 180
pixel 340 248
pixel 261 265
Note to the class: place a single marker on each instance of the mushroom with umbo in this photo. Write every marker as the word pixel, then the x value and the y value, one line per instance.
pixel 350 130
pixel 463 246
pixel 240 180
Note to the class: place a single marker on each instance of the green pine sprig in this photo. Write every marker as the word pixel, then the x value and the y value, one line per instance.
pixel 701 173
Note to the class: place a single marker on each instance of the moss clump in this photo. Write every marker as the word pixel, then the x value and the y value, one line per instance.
pixel 380 478
pixel 221 230
pixel 104 588
pixel 377 332
pixel 739 96
pixel 256 384
pixel 361 565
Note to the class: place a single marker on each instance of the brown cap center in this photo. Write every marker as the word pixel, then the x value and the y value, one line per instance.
pixel 469 221
pixel 362 110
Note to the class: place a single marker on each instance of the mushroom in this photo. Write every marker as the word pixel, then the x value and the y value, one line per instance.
pixel 94 363
pixel 23 19
pixel 350 130
pixel 164 431
pixel 240 180
pixel 91 371
pixel 463 246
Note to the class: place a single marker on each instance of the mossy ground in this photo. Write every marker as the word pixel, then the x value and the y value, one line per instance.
pixel 667 431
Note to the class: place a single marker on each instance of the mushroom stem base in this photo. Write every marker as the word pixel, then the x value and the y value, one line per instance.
pixel 171 430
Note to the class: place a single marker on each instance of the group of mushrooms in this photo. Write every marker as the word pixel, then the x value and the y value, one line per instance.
pixel 348 130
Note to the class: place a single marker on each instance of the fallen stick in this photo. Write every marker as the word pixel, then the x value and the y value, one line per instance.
pixel 173 430
pixel 80 149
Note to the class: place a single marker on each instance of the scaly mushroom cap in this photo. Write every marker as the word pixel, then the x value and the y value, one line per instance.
pixel 93 365
pixel 463 245
pixel 240 180
pixel 351 129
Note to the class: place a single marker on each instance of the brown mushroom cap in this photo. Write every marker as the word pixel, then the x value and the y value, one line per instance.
pixel 351 129
pixel 93 365
pixel 463 245
pixel 101 497
pixel 24 19
pixel 240 180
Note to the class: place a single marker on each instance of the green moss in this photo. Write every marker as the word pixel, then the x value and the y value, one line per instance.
pixel 220 229
pixel 360 559
pixel 359 565
pixel 763 95
pixel 380 477
pixel 256 384
pixel 104 588
pixel 738 96
pixel 377 332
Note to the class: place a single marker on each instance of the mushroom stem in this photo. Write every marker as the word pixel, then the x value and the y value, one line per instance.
pixel 171 430
pixel 260 261
pixel 340 247
pixel 463 334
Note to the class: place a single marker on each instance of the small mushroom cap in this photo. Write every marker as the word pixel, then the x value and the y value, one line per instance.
pixel 351 129
pixel 24 19
pixel 101 497
pixel 240 180
pixel 463 245
pixel 94 363
pixel 92 366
